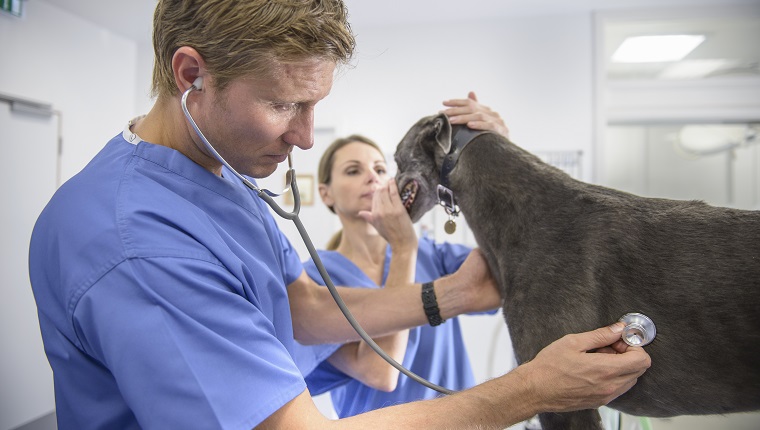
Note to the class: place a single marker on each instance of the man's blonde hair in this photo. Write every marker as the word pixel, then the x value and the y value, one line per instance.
pixel 247 37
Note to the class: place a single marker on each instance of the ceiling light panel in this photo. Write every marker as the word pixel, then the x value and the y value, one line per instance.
pixel 655 49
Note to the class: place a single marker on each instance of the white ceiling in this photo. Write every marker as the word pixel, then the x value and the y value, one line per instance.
pixel 132 19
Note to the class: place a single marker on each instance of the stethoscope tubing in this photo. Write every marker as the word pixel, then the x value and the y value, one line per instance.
pixel 268 197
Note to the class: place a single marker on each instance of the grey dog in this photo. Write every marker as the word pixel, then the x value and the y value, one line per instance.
pixel 571 256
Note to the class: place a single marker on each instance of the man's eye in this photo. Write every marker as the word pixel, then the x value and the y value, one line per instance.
pixel 284 107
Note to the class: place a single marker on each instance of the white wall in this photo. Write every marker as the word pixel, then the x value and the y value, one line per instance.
pixel 536 71
pixel 88 74
pixel 85 71
pixel 143 79
pixel 25 376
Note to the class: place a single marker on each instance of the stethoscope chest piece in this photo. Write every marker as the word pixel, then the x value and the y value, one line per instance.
pixel 639 329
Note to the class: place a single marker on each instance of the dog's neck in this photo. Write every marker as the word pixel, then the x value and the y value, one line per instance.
pixel 496 176
pixel 461 136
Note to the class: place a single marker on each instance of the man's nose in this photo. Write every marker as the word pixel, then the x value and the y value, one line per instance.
pixel 301 130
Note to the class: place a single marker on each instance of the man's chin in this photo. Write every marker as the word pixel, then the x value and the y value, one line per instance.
pixel 261 171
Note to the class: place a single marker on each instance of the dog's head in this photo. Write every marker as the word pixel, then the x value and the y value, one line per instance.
pixel 419 156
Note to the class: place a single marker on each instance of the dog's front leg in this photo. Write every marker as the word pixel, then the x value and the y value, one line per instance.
pixel 588 419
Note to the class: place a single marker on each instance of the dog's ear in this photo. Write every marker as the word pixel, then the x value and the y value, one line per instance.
pixel 442 128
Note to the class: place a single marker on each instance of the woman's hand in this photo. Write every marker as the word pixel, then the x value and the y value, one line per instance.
pixel 475 115
pixel 390 218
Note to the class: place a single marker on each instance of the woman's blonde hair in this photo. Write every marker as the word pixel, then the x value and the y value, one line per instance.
pixel 324 171
pixel 244 37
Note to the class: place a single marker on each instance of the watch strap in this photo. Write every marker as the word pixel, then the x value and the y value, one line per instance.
pixel 430 304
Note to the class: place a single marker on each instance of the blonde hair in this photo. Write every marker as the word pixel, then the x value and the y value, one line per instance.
pixel 244 37
pixel 324 172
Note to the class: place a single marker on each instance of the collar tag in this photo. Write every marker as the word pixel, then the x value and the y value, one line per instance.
pixel 447 200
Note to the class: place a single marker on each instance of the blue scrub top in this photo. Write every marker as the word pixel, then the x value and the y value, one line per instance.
pixel 161 296
pixel 437 354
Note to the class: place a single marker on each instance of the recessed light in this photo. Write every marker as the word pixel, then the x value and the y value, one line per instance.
pixel 652 49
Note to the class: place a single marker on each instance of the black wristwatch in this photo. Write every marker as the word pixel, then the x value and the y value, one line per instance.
pixel 430 304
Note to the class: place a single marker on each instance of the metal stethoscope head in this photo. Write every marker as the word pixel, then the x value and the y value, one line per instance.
pixel 262 192
pixel 639 329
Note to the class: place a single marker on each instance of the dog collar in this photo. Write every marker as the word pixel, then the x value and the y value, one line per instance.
pixel 459 141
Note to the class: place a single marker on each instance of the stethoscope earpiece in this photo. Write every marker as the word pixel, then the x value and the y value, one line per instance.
pixel 198 83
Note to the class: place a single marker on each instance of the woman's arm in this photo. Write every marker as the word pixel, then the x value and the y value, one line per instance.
pixel 357 359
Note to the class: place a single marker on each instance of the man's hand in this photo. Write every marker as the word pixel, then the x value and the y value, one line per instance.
pixel 567 377
pixel 475 115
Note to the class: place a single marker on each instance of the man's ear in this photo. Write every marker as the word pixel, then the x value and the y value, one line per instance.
pixel 442 128
pixel 187 65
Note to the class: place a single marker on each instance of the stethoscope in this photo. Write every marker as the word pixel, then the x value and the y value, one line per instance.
pixel 268 197
pixel 639 330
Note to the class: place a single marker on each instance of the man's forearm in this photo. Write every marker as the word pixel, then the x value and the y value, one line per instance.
pixel 317 318
pixel 495 404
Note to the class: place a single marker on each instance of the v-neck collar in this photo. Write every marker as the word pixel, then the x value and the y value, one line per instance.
pixel 356 271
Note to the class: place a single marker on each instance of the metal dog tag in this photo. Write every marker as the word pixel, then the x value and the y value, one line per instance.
pixel 450 226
